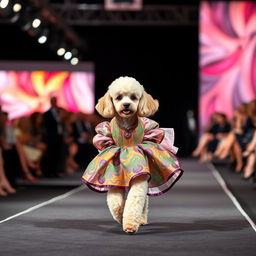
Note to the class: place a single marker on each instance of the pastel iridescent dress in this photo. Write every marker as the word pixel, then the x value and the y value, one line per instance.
pixel 124 155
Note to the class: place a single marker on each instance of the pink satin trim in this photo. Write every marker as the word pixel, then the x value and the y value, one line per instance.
pixel 155 135
pixel 168 140
pixel 101 142
pixel 162 136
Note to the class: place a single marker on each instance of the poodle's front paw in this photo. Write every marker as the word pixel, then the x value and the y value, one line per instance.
pixel 130 229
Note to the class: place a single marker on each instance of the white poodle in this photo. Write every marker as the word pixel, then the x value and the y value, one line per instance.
pixel 134 153
pixel 126 99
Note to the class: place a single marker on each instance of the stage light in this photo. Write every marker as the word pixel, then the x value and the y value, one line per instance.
pixel 43 34
pixel 42 39
pixel 74 61
pixel 67 55
pixel 4 3
pixel 17 7
pixel 61 51
pixel 36 23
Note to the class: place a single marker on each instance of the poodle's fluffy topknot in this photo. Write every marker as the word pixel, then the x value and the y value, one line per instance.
pixel 125 82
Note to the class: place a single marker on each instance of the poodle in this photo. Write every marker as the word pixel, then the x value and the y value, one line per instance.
pixel 129 147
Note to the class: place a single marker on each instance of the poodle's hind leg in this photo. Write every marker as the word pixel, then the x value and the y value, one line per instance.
pixel 115 201
pixel 134 204
pixel 144 217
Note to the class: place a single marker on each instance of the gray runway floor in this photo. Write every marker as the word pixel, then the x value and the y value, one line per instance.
pixel 194 218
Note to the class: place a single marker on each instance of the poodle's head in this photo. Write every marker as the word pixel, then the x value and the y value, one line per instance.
pixel 126 97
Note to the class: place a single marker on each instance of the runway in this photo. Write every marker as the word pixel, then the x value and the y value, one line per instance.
pixel 195 217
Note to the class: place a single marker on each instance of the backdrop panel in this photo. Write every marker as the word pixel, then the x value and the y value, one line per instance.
pixel 27 87
pixel 227 57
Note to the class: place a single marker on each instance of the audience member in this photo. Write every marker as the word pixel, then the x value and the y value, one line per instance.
pixel 36 142
pixel 15 162
pixel 215 132
pixel 71 146
pixel 190 132
pixel 53 162
pixel 83 132
pixel 250 154
pixel 236 141
pixel 5 186
pixel 29 132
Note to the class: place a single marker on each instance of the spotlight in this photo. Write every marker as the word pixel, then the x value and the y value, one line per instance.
pixel 61 51
pixel 43 34
pixel 74 61
pixel 67 55
pixel 28 15
pixel 4 4
pixel 16 7
pixel 36 23
pixel 42 39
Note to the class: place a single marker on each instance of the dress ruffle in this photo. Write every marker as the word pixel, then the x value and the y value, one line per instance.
pixel 117 166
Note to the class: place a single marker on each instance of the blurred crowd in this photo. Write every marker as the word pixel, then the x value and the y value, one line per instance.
pixel 231 139
pixel 58 143
pixel 51 144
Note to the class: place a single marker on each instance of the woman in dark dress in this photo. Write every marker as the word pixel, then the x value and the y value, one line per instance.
pixel 215 132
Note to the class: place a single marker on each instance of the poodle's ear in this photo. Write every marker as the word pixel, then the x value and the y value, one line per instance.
pixel 105 106
pixel 147 106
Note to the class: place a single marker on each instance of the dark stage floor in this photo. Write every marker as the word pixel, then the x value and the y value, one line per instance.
pixel 195 217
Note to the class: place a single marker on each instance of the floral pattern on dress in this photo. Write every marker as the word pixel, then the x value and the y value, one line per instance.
pixel 122 158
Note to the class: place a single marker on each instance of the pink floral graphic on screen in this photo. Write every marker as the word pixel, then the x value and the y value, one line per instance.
pixel 25 92
pixel 227 57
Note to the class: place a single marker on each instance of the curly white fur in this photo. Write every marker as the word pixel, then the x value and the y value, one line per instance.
pixel 133 212
pixel 134 205
pixel 115 201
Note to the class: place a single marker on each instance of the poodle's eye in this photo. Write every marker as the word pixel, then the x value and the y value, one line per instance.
pixel 119 97
pixel 133 97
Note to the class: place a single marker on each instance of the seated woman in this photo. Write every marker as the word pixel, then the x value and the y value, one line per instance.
pixel 250 154
pixel 220 130
pixel 29 133
pixel 217 129
pixel 13 153
pixel 36 141
pixel 250 142
pixel 235 142
pixel 5 186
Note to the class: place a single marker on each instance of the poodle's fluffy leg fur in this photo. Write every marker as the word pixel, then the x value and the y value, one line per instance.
pixel 134 204
pixel 115 201
pixel 144 218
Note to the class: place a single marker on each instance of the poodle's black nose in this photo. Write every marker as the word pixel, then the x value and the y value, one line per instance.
pixel 126 105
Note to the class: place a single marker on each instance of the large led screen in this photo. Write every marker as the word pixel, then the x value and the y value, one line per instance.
pixel 27 87
pixel 227 57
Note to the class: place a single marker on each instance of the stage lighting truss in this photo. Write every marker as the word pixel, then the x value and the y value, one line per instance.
pixel 76 13
pixel 39 21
